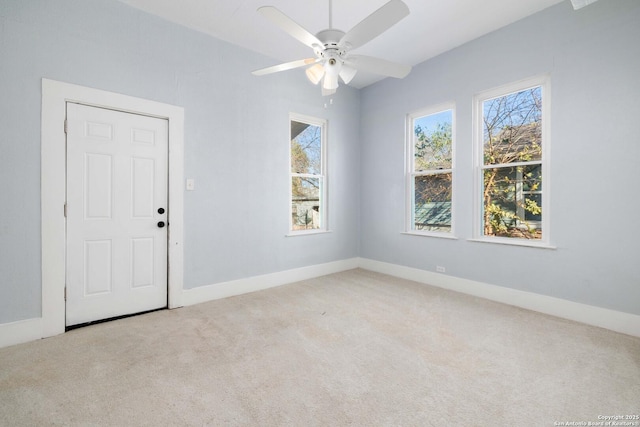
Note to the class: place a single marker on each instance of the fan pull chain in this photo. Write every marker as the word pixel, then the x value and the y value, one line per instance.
pixel 330 103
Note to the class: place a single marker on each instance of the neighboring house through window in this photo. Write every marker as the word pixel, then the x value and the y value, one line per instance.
pixel 308 167
pixel 430 137
pixel 511 145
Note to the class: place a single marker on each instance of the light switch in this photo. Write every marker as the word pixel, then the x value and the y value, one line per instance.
pixel 191 184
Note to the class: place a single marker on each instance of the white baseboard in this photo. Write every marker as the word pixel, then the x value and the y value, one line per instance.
pixel 617 321
pixel 32 329
pixel 266 281
pixel 626 323
pixel 20 332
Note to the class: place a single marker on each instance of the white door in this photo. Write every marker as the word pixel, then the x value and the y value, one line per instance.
pixel 117 174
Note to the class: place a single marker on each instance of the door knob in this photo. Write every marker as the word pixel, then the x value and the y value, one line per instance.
pixel 160 211
pixel 160 224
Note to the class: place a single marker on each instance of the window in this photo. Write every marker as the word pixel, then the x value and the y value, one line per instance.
pixel 430 171
pixel 308 174
pixel 511 145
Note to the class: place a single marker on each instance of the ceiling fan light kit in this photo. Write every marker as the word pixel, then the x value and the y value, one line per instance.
pixel 315 73
pixel 332 47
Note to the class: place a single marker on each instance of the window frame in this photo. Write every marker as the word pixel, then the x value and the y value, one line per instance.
pixel 322 176
pixel 544 82
pixel 410 172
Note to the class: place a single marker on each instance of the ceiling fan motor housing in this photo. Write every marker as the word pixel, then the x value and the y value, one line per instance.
pixel 330 37
pixel 331 40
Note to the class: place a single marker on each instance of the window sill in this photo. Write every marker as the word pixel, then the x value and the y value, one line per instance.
pixel 513 242
pixel 436 235
pixel 306 233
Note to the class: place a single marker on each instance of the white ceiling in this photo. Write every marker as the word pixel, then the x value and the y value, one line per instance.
pixel 433 26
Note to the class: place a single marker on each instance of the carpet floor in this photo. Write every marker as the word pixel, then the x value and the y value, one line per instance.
pixel 355 348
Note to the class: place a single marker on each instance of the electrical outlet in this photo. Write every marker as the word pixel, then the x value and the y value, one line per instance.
pixel 440 269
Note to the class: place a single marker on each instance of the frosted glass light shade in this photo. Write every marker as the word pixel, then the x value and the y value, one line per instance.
pixel 330 81
pixel 347 74
pixel 315 73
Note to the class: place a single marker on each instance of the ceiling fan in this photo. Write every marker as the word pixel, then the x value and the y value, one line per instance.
pixel 332 47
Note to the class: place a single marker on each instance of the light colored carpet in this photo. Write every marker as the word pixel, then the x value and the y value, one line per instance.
pixel 353 348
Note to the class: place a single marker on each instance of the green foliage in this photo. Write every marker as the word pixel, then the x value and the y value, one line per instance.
pixel 507 205
pixel 498 219
pixel 532 206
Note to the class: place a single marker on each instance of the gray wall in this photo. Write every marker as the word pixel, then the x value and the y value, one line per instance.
pixel 236 139
pixel 593 58
pixel 236 131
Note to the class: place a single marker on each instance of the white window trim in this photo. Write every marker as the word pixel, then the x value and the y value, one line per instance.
pixel 324 217
pixel 544 81
pixel 409 158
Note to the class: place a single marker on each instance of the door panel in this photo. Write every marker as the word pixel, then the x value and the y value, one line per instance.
pixel 142 259
pixel 143 176
pixel 98 267
pixel 117 175
pixel 97 188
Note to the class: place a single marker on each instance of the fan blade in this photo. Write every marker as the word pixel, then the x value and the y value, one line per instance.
pixel 286 66
pixel 289 26
pixel 378 66
pixel 375 24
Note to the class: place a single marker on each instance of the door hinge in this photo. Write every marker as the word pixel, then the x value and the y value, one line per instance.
pixel 65 293
pixel 65 210
pixel 66 128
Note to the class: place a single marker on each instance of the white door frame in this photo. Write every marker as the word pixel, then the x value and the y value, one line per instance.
pixel 55 95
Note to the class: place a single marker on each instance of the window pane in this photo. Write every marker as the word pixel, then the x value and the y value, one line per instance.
pixel 432 202
pixel 432 144
pixel 305 203
pixel 306 148
pixel 512 202
pixel 512 129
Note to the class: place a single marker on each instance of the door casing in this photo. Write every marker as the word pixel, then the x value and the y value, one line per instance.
pixel 55 95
